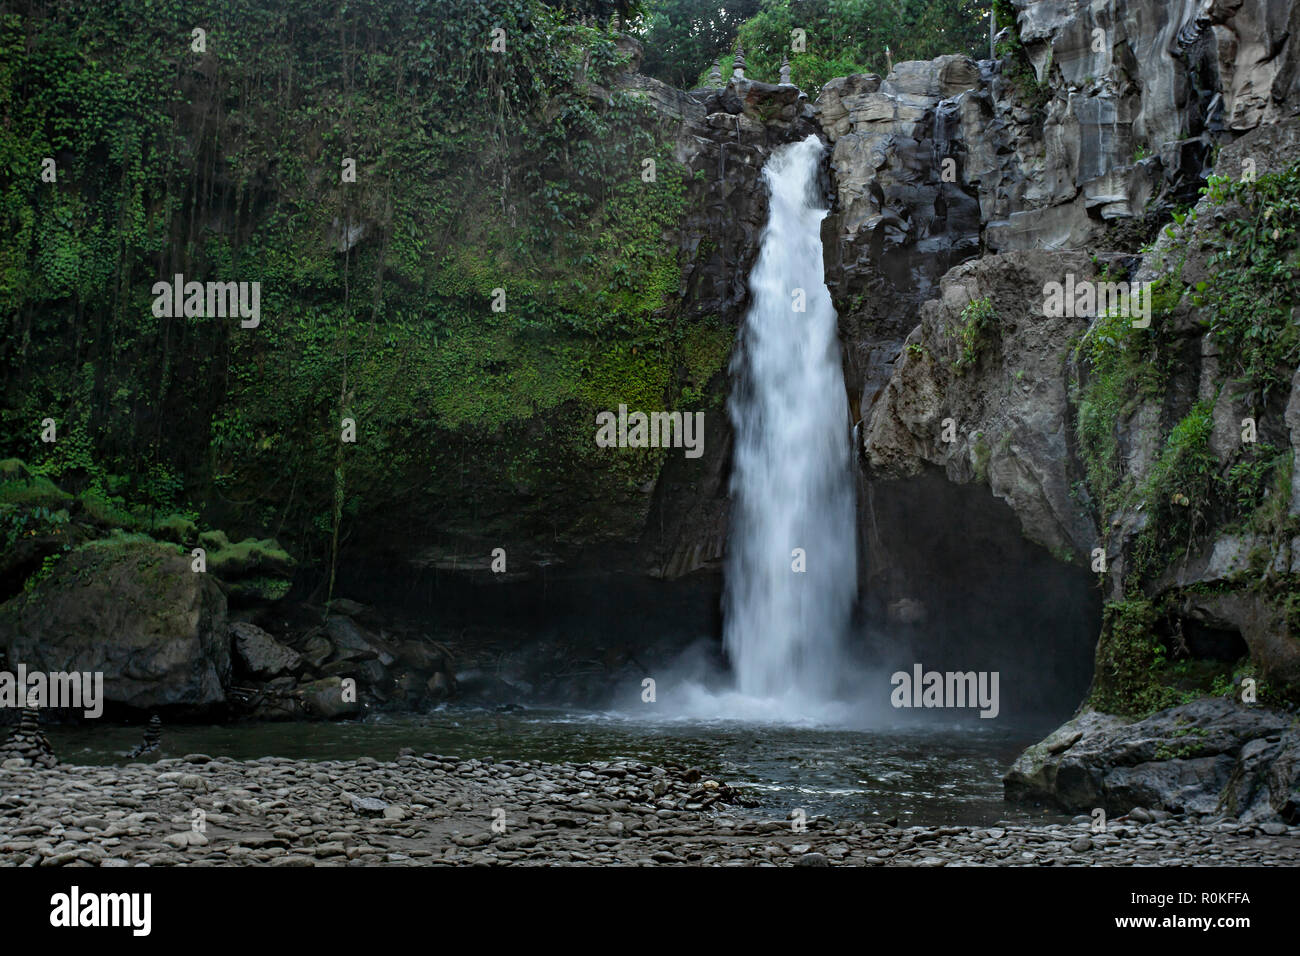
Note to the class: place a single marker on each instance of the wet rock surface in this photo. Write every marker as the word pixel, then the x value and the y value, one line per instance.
pixel 1008 399
pixel 1209 756
pixel 439 810
pixel 262 654
pixel 1108 123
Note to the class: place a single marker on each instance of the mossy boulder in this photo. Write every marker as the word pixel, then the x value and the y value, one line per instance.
pixel 12 469
pixel 175 528
pixel 19 486
pixel 132 609
pixel 246 558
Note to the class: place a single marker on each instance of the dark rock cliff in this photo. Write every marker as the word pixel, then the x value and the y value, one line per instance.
pixel 1074 168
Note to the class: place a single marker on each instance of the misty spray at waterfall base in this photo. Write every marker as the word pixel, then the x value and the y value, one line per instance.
pixel 791 569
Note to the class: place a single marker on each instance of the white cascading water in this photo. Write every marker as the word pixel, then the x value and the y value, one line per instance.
pixel 792 483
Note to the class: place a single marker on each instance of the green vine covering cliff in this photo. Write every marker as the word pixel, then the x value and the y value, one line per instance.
pixel 1192 492
pixel 476 170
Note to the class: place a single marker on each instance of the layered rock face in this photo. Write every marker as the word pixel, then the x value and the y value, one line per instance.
pixel 1013 423
pixel 1140 102
pixel 903 214
pixel 942 160
pixel 1003 396
pixel 1046 181
pixel 1139 91
pixel 1246 42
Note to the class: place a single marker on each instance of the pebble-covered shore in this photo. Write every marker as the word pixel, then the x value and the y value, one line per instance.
pixel 433 810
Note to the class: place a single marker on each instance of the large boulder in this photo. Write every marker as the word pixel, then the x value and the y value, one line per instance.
pixel 1209 756
pixel 133 610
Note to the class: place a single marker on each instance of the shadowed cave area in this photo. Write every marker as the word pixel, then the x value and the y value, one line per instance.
pixel 948 582
pixel 581 635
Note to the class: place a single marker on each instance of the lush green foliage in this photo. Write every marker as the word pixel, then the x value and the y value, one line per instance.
pixel 476 171
pixel 1119 368
pixel 1186 490
pixel 682 37
pixel 1254 285
pixel 1130 662
pixel 1179 493
pixel 1247 303
pixel 979 321
pixel 1192 491
pixel 1139 670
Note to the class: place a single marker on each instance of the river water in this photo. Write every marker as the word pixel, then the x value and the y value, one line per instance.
pixel 928 775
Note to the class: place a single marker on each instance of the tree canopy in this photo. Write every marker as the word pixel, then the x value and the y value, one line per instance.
pixel 683 37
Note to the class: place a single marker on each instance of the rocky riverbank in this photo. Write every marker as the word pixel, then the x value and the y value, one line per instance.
pixel 435 810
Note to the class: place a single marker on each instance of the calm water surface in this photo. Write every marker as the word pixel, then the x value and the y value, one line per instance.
pixel 927 776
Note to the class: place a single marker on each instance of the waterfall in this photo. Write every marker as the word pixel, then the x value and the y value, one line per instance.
pixel 792 482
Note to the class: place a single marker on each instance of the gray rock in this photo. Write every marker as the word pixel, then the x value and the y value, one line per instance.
pixel 185 839
pixel 261 654
pixel 1208 756
pixel 316 649
pixel 365 806
pixel 350 642
pixel 135 612
pixel 324 698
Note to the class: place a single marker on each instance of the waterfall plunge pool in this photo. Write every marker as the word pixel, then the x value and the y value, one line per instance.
pixel 926 775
